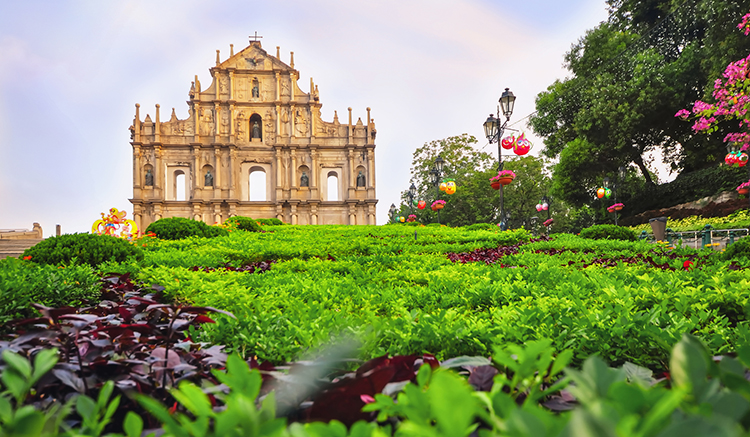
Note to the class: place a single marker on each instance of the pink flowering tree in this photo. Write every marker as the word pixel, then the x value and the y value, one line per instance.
pixel 732 95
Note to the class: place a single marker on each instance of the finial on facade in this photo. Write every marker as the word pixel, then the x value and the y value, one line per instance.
pixel 278 52
pixel 254 41
pixel 368 116
pixel 157 112
pixel 217 58
pixel 173 117
pixel 231 50
pixel 335 117
pixel 197 84
pixel 291 63
pixel 350 116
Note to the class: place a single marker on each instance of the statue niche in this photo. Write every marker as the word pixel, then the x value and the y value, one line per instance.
pixel 256 128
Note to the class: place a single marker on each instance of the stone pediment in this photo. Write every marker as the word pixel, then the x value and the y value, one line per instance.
pixel 253 57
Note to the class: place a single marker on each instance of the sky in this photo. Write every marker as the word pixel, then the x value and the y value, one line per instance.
pixel 71 73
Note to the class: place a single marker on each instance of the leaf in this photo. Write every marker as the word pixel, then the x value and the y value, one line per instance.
pixel 465 361
pixel 635 373
pixel 481 378
pixel 17 363
pixel 689 363
pixel 132 425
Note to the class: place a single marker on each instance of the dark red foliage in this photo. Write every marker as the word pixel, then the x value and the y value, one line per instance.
pixel 130 337
pixel 257 267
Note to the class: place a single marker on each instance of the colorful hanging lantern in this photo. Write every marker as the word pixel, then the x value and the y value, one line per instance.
pixel 422 204
pixel 414 202
pixel 600 192
pixel 522 146
pixel 742 160
pixel 508 142
pixel 450 187
pixel 442 186
pixel 607 193
pixel 538 206
pixel 401 219
pixel 545 206
pixel 731 159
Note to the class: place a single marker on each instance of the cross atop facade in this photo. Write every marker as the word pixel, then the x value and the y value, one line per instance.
pixel 255 37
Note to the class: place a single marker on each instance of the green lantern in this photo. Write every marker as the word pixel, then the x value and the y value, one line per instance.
pixel 607 193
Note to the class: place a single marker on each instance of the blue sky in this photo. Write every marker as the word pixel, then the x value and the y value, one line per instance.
pixel 72 71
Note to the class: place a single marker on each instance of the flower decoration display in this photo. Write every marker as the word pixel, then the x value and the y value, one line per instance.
pixel 504 177
pixel 743 188
pixel 548 222
pixel 615 207
pixel 411 218
pixel 115 224
pixel 438 204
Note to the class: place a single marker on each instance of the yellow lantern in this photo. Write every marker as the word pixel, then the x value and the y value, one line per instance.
pixel 450 187
pixel 442 186
pixel 401 219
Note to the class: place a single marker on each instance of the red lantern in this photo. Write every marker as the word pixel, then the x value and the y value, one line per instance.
pixel 538 206
pixel 422 204
pixel 730 159
pixel 508 142
pixel 600 192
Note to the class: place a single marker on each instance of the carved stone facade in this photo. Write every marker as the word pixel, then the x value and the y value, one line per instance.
pixel 253 145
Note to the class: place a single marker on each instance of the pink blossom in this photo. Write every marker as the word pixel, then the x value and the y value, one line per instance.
pixel 683 114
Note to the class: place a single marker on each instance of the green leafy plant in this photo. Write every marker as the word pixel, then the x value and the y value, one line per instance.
pixel 90 249
pixel 738 249
pixel 269 222
pixel 608 232
pixel 177 228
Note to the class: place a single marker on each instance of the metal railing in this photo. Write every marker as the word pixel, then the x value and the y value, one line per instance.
pixel 706 237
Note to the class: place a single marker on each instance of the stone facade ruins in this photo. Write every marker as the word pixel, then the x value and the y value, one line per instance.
pixel 254 145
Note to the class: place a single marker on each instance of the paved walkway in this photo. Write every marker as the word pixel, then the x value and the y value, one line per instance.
pixel 15 247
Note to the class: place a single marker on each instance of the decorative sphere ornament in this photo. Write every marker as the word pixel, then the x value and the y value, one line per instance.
pixel 545 206
pixel 538 206
pixel 422 204
pixel 414 202
pixel 450 187
pixel 442 186
pixel 401 219
pixel 508 142
pixel 730 159
pixel 607 193
pixel 600 193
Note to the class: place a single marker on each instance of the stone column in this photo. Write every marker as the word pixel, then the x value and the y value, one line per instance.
pixel 371 172
pixel 352 179
pixel 352 214
pixel 278 157
pixel 218 178
pixel 231 85
pixel 159 176
pixel 137 165
pixel 137 212
pixel 157 127
pixel 193 172
pixel 233 172
pixel 217 213
pixel 278 86
pixel 314 184
pixel 293 168
pixel 157 212
pixel 294 213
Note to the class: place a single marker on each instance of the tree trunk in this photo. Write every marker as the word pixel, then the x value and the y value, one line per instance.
pixel 641 165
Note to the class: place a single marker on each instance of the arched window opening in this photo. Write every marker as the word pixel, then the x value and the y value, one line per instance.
pixel 256 127
pixel 179 186
pixel 333 186
pixel 257 188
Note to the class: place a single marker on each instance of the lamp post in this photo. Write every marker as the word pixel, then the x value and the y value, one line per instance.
pixel 493 130
pixel 411 194
pixel 392 212
pixel 435 174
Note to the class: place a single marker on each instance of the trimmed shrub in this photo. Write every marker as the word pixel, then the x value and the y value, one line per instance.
pixel 608 232
pixel 269 222
pixel 177 228
pixel 243 223
pixel 738 249
pixel 482 226
pixel 89 249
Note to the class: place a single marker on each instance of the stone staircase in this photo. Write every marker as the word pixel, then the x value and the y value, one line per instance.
pixel 15 247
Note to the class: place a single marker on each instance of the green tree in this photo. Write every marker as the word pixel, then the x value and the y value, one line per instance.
pixel 628 77
pixel 475 201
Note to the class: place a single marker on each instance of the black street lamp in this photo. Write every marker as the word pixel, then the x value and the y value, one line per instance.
pixel 435 174
pixel 546 202
pixel 493 130
pixel 411 194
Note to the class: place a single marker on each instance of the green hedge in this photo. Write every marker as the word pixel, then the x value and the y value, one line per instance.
pixel 608 232
pixel 244 223
pixel 177 228
pixel 89 249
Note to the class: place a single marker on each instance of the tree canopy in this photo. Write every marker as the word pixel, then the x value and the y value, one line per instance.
pixel 628 77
